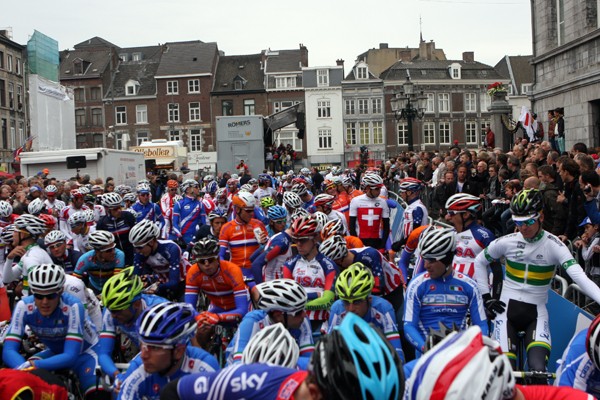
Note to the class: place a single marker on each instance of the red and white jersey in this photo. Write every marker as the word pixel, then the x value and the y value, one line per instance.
pixel 415 216
pixel 469 243
pixel 369 213
pixel 166 206
pixel 63 217
pixel 55 205
pixel 209 205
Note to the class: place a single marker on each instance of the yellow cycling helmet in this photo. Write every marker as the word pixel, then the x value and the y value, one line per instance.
pixel 354 283
pixel 121 290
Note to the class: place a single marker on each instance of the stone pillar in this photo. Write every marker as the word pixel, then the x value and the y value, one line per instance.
pixel 498 108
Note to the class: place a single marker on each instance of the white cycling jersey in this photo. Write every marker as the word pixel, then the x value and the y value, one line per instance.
pixel 34 255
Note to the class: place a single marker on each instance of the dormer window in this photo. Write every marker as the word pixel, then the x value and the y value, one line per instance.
pixel 80 66
pixel 238 83
pixel 136 57
pixel 454 70
pixel 362 72
pixel 132 87
pixel 124 57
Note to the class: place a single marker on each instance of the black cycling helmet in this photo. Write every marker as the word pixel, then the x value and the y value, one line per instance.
pixel 526 203
pixel 205 248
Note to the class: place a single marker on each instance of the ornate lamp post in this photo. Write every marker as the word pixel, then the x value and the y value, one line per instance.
pixel 408 105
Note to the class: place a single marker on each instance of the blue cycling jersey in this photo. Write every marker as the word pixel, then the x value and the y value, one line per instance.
pixel 150 211
pixel 267 262
pixel 447 300
pixel 68 261
pixel 249 382
pixel 108 333
pixel 576 370
pixel 188 214
pixel 139 384
pixel 98 272
pixel 166 262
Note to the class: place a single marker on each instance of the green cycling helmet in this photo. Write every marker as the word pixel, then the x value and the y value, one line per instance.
pixel 121 290
pixel 354 283
pixel 267 202
pixel 527 202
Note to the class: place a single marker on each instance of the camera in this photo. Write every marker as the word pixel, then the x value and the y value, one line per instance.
pixel 587 189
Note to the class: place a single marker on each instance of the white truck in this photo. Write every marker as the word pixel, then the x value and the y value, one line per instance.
pixel 125 167
pixel 163 154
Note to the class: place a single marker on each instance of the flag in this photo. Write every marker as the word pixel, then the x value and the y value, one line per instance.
pixel 526 120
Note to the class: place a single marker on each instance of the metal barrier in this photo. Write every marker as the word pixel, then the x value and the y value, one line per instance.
pixel 560 285
pixel 576 296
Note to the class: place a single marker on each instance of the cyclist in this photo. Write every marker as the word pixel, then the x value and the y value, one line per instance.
pixel 354 289
pixel 415 214
pixel 410 247
pixel 124 301
pixel 188 213
pixel 158 260
pixel 532 256
pixel 305 196
pixel 6 214
pixel 53 205
pixel 77 204
pixel 164 332
pixel 441 294
pixel 100 263
pixel 118 222
pixel 59 321
pixel 279 301
pixel 272 345
pixel 145 208
pixel 221 281
pixel 81 224
pixel 56 246
pixel 336 227
pixel 370 214
pixel 216 219
pixel 291 202
pixel 167 201
pixel 265 188
pixel 324 203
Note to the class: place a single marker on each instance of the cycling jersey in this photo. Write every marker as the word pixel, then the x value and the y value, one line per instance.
pixel 68 261
pixel 240 241
pixel 381 314
pixel 166 205
pixel 335 215
pixel 241 381
pixel 268 265
pixel 120 228
pixel 387 276
pixel 188 214
pixel 63 217
pixel 256 320
pixel 34 255
pixel 81 242
pixel 138 384
pixel 55 205
pixel 469 243
pixel 368 213
pixel 316 276
pixel 98 272
pixel 575 369
pixel 93 308
pixel 108 333
pixel 409 249
pixel 343 203
pixel 447 300
pixel 543 392
pixel 150 211
pixel 165 263
pixel 226 290
pixel 264 192
pixel 415 215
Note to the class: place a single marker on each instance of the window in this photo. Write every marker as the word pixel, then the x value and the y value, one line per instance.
pixel 2 93
pixel 484 101
pixel 402 129
pixel 226 107
pixel 560 19
pixel 483 129
pixel 322 77
pixel 194 86
pixel 363 133
pixel 123 57
pixel 136 57
pixel 5 134
pixel 18 69
pixel 455 73
pixel 96 93
pixel 13 133
pixel 249 107
pixel 444 102
pixel 376 104
pixel 290 136
pixel 9 63
pixel 79 94
pixel 194 111
pixel 11 95
pixel 430 103
pixel 444 132
pixel 132 87
pixel 377 132
pixel 195 140
pixel 350 107
pixel 121 141
pixel 362 72
pixel 282 82
pixel 282 105
pixel 471 132
pixel 172 87
pixel 141 114
pixel 98 140
pixel 510 90
pixel 428 133
pixel 470 102
pixel 22 131
pixel 80 117
pixel 526 88
pixel 173 109
pixel 174 135
pixel 97 119
pixel 325 139
pixel 238 84
pixel 363 106
pixel 324 109
pixel 350 133
pixel 121 115
pixel 142 137
pixel 82 141
pixel 19 97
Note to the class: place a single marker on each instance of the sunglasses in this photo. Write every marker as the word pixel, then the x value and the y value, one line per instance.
pixel 56 245
pixel 207 261
pixel 296 314
pixel 279 221
pixel 154 347
pixel 357 302
pixel 50 296
pixel 108 250
pixel 173 190
pixel 144 194
pixel 527 222
pixel 301 241
pixel 451 213
pixel 141 246
pixel 248 210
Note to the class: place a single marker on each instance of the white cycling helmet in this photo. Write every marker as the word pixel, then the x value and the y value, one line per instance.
pixel 51 189
pixel 30 223
pixel 78 217
pixel 321 218
pixel 36 206
pixel 6 234
pixel 130 197
pixel 299 213
pixel 281 295
pixel 111 200
pixel 465 365
pixel 46 278
pixel 143 231
pixel 334 247
pixel 5 209
pixel 371 180
pixel 99 239
pixel 143 188
pixel 291 200
pixel 272 345
pixel 54 236
pixel 437 243
pixel 246 187
pixel 300 189
pixel 244 200
pixel 305 171
pixel 188 183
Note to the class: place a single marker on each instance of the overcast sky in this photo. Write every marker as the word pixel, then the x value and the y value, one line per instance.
pixel 330 29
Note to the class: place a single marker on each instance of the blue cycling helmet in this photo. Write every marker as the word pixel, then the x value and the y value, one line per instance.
pixel 356 361
pixel 276 213
pixel 212 187
pixel 167 323
pixel 217 213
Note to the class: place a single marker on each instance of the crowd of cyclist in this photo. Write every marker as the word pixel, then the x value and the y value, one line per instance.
pixel 279 288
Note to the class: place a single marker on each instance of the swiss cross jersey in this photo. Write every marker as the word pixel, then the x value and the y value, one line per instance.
pixel 98 272
pixel 415 215
pixel 270 261
pixel 188 214
pixel 150 211
pixel 256 320
pixel 576 370
pixel 139 384
pixel 469 243
pixel 315 276
pixel 66 331
pixel 387 276
pixel 239 239
pixel 447 300
pixel 249 382
pixel 369 213
pixel 165 263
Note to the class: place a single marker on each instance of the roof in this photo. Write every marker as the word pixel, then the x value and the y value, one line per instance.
pixel 438 69
pixel 246 67
pixel 283 61
pixel 352 77
pixel 517 68
pixel 96 62
pixel 187 58
pixel 141 71
pixel 96 41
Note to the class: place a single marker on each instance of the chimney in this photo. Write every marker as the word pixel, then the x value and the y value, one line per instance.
pixel 430 50
pixel 303 55
pixel 383 46
pixel 468 56
pixel 405 55
pixel 423 50
pixel 339 62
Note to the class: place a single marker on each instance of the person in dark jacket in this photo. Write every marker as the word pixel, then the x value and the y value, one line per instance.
pixel 555 214
pixel 572 197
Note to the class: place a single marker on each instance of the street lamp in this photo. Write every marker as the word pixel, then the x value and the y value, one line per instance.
pixel 403 106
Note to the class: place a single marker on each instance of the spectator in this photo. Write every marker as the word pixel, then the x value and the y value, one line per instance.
pixel 554 212
pixel 490 138
pixel 589 182
pixel 442 193
pixel 559 129
pixel 572 197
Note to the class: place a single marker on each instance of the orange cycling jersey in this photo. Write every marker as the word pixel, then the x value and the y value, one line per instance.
pixel 240 241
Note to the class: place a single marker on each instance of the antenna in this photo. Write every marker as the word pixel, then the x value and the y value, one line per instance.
pixel 421 28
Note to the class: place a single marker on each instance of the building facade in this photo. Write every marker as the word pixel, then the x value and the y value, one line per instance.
pixel 520 72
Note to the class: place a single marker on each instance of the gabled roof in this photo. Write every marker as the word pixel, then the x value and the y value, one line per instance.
pixel 187 58
pixel 352 77
pixel 516 68
pixel 283 61
pixel 96 41
pixel 142 71
pixel 246 67
pixel 98 59
pixel 438 69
